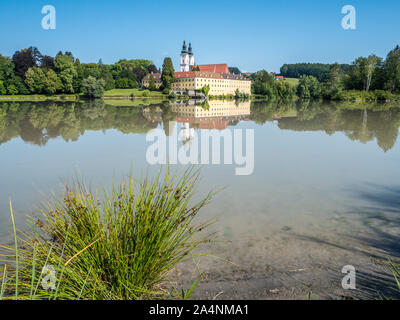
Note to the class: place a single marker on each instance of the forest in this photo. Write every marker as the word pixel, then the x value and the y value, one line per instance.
pixel 369 78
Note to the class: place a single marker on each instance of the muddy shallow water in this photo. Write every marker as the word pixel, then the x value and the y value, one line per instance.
pixel 324 192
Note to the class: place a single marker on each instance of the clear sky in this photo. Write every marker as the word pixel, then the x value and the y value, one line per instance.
pixel 251 34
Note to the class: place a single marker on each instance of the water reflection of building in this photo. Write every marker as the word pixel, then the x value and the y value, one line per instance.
pixel 214 114
pixel 210 114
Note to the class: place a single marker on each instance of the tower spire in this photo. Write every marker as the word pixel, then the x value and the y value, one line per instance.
pixel 185 58
pixel 184 48
pixel 190 48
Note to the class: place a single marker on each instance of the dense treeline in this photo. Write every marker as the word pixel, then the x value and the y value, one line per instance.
pixel 318 70
pixel 367 78
pixel 30 72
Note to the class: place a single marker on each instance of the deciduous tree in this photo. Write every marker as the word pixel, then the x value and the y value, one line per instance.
pixel 6 68
pixel 66 71
pixel 25 59
pixel 92 87
pixel 35 80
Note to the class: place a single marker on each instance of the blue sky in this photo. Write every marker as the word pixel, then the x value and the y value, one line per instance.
pixel 252 34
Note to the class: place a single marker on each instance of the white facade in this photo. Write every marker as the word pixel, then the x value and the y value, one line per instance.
pixel 191 61
pixel 185 62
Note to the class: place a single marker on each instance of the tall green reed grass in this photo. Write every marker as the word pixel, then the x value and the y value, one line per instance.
pixel 395 268
pixel 121 245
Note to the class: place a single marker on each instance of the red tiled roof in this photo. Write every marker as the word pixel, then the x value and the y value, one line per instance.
pixel 218 123
pixel 216 68
pixel 188 74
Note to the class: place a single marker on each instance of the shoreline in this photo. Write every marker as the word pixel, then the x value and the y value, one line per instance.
pixel 73 98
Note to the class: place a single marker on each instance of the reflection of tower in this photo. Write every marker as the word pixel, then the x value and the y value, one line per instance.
pixel 187 58
pixel 186 134
pixel 169 127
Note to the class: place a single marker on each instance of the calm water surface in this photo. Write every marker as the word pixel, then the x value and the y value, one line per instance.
pixel 322 171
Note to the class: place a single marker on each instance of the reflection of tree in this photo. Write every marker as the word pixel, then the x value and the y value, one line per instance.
pixel 206 106
pixel 3 123
pixel 262 111
pixel 386 127
pixel 38 122
pixel 359 122
pixel 167 116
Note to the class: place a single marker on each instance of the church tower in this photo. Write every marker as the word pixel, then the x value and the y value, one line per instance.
pixel 185 58
pixel 191 57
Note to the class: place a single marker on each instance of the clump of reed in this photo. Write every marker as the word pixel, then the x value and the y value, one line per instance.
pixel 395 268
pixel 121 245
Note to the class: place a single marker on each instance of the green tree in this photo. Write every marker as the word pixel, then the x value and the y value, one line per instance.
pixel 125 78
pixel 18 84
pixel 91 69
pixel 152 69
pixel 12 90
pixel 3 90
pixel 264 83
pixel 52 83
pixel 6 68
pixel 284 91
pixel 372 62
pixel 92 87
pixel 35 80
pixel 125 83
pixel 335 83
pixel 392 70
pixel 353 80
pixel 106 75
pixel 66 71
pixel 134 63
pixel 309 88
pixel 361 72
pixel 25 59
pixel 78 78
pixel 234 70
pixel 168 74
pixel 335 78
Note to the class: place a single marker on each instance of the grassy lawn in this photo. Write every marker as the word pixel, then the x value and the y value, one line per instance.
pixel 110 93
pixel 292 81
pixel 136 93
pixel 37 97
